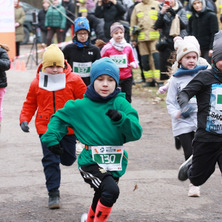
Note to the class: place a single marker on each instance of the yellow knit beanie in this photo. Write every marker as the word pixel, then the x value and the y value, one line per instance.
pixel 53 56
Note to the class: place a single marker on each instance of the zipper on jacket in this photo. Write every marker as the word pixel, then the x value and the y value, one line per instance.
pixel 54 105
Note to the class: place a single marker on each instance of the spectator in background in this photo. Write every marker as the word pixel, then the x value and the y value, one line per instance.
pixel 41 20
pixel 166 16
pixel 203 24
pixel 143 18
pixel 135 43
pixel 70 13
pixel 19 21
pixel 55 21
pixel 112 11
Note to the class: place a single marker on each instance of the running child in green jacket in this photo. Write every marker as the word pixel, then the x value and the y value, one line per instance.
pixel 110 123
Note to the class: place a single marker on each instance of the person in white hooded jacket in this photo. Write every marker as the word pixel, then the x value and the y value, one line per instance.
pixel 184 121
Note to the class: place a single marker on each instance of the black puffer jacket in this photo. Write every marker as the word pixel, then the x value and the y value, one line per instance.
pixel 111 13
pixel 203 26
pixel 4 65
pixel 164 22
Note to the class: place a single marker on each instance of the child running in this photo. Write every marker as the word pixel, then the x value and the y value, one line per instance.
pixel 52 87
pixel 81 53
pixel 184 124
pixel 121 53
pixel 110 123
pixel 207 144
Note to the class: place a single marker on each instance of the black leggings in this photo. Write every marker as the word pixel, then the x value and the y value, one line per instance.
pixel 105 186
pixel 107 193
pixel 186 142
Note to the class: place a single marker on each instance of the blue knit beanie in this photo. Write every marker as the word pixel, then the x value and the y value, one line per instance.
pixel 104 66
pixel 81 23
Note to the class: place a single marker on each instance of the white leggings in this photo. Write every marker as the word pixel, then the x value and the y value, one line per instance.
pixel 2 93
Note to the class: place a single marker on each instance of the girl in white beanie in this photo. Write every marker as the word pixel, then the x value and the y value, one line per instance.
pixel 184 122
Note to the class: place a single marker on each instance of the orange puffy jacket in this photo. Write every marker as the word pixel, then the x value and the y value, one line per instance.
pixel 47 102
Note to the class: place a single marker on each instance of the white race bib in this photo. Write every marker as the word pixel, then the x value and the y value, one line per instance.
pixel 120 60
pixel 218 93
pixel 52 82
pixel 82 68
pixel 108 157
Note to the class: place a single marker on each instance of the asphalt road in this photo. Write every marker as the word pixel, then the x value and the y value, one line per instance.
pixel 149 191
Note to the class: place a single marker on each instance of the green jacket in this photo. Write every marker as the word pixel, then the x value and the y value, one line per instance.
pixel 55 17
pixel 92 126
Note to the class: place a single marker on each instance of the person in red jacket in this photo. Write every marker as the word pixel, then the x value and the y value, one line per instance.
pixel 53 86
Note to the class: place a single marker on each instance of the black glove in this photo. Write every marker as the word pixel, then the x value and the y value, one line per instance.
pixel 187 110
pixel 114 115
pixel 56 149
pixel 24 126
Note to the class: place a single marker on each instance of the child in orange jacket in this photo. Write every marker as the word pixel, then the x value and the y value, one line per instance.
pixel 52 87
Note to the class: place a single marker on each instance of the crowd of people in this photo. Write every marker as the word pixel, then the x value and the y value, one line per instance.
pixel 177 46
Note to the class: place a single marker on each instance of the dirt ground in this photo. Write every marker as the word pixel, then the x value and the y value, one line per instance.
pixel 149 191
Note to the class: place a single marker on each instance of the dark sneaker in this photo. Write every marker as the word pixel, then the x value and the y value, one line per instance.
pixel 177 143
pixel 54 200
pixel 182 175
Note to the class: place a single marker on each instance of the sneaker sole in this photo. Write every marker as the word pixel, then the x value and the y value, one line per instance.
pixel 182 174
pixel 54 206
pixel 193 195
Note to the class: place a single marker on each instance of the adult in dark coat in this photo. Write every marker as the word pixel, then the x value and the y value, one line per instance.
pixel 112 11
pixel 70 13
pixel 163 23
pixel 41 20
pixel 203 24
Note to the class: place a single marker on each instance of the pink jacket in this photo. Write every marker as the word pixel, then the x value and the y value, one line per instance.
pixel 124 59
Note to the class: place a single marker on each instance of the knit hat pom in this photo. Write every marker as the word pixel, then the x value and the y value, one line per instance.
pixel 104 66
pixel 184 46
pixel 53 56
pixel 115 26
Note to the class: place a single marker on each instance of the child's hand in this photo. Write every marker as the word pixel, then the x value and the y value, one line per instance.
pixel 56 149
pixel 133 65
pixel 178 114
pixel 24 126
pixel 163 89
pixel 114 115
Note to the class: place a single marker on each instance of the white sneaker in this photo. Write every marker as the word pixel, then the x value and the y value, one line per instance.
pixel 79 147
pixel 194 191
pixel 84 217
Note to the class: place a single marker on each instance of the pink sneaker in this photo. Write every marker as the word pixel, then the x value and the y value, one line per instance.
pixel 194 191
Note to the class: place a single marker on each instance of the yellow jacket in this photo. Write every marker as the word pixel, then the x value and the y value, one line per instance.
pixel 144 15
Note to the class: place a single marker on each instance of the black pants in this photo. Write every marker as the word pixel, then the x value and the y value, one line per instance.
pixel 205 157
pixel 164 63
pixel 186 142
pixel 50 34
pixel 126 87
pixel 103 183
pixel 17 48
